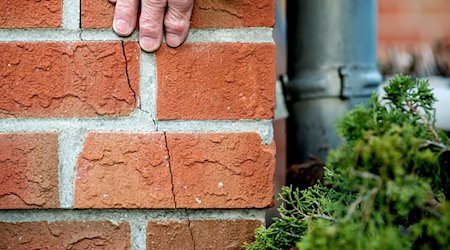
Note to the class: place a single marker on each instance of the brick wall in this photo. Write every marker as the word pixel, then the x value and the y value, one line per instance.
pixel 412 23
pixel 105 146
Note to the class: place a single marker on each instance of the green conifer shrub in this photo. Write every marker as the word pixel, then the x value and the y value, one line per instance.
pixel 385 187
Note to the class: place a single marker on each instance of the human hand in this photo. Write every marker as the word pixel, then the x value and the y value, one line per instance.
pixel 174 15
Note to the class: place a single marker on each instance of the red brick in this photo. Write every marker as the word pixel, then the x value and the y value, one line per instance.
pixel 441 7
pixel 221 170
pixel 398 6
pixel 123 170
pixel 397 27
pixel 418 6
pixel 57 79
pixel 207 234
pixel 169 235
pixel 412 23
pixel 96 14
pixel 65 235
pixel 233 13
pixel 206 13
pixel 30 14
pixel 216 81
pixel 28 171
pixel 210 170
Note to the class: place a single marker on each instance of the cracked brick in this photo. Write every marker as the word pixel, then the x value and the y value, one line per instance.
pixel 68 79
pixel 170 170
pixel 123 170
pixel 174 170
pixel 30 14
pixel 205 234
pixel 239 83
pixel 65 235
pixel 221 170
pixel 127 69
pixel 29 170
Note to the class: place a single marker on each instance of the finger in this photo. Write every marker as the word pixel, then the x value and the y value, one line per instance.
pixel 177 21
pixel 125 17
pixel 112 1
pixel 151 24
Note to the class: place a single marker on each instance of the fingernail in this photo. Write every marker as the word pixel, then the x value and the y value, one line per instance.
pixel 122 27
pixel 148 44
pixel 174 40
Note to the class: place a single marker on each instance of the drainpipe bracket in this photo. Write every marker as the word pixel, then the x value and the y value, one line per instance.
pixel 343 82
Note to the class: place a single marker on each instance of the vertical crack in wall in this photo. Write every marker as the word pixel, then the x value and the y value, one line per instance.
pixel 155 123
pixel 80 22
pixel 170 170
pixel 126 72
pixel 173 191
pixel 190 228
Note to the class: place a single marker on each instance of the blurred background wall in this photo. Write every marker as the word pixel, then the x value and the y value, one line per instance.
pixel 413 37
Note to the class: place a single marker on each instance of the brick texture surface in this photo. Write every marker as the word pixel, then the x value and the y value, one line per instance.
pixel 169 235
pixel 124 170
pixel 221 170
pixel 233 13
pixel 216 81
pixel 30 14
pixel 96 14
pixel 209 170
pixel 64 235
pixel 200 234
pixel 68 79
pixel 206 13
pixel 28 171
pixel 91 88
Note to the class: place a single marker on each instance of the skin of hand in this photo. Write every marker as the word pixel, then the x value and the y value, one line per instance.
pixel 171 16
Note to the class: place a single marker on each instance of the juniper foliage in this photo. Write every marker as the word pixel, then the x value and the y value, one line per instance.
pixel 385 187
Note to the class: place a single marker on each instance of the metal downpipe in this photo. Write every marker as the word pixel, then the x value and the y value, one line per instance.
pixel 331 68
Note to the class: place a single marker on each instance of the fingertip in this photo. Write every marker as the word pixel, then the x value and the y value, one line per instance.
pixel 112 1
pixel 151 24
pixel 177 21
pixel 174 40
pixel 149 44
pixel 125 17
pixel 122 27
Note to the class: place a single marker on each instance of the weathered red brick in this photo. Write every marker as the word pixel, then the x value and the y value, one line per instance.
pixel 57 79
pixel 233 13
pixel 96 14
pixel 206 14
pixel 30 14
pixel 123 170
pixel 216 81
pixel 208 170
pixel 212 170
pixel 169 235
pixel 65 235
pixel 29 171
pixel 205 234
